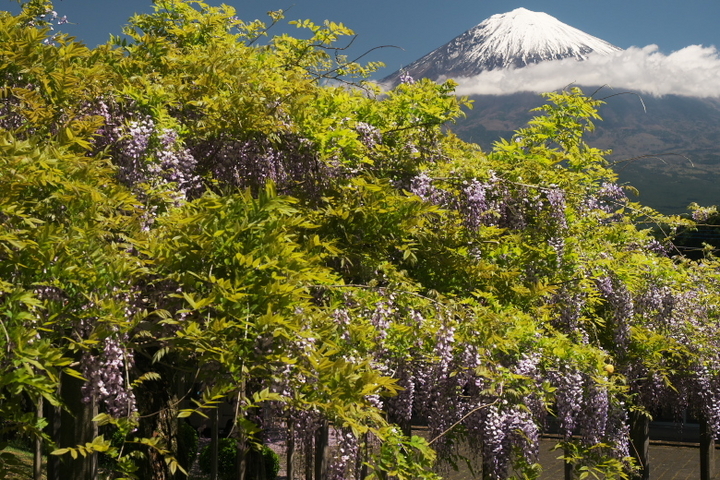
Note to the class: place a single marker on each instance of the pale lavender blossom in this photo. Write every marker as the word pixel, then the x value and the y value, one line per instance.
pixel 406 79
pixel 369 134
pixel 107 379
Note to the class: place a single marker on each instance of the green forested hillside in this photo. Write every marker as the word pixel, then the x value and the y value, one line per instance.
pixel 666 146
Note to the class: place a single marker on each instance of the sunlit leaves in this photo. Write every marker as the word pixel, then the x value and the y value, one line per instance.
pixel 409 273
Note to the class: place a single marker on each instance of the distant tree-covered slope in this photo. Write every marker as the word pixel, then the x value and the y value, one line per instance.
pixel 666 147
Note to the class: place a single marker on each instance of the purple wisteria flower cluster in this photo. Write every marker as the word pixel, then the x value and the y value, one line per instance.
pixel 381 318
pixel 422 186
pixel 495 202
pixel 406 79
pixel 147 155
pixel 492 203
pixel 10 119
pixel 609 199
pixel 708 390
pixel 127 139
pixel 702 214
pixel 107 378
pixel 290 164
pixel 622 307
pixel 400 407
pixel 174 164
pixel 437 393
pixel 569 395
pixel 370 135
pixel 344 463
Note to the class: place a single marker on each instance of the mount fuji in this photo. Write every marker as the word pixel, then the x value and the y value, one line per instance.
pixel 666 146
pixel 508 40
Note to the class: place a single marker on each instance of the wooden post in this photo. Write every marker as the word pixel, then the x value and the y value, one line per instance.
pixel 290 451
pixel 262 473
pixel 321 445
pixel 38 456
pixel 640 438
pixel 310 460
pixel 53 461
pixel 243 455
pixel 707 451
pixel 568 466
pixel 365 456
pixel 214 443
pixel 77 429
pixel 243 471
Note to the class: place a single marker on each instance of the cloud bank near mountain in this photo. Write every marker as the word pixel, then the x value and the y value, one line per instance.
pixel 692 71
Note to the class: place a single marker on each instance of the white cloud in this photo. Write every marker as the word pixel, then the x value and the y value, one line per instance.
pixel 693 71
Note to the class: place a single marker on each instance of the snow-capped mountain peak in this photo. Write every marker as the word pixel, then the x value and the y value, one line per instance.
pixel 521 37
pixel 508 40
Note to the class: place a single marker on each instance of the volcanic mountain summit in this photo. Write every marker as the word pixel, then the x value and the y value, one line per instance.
pixel 509 40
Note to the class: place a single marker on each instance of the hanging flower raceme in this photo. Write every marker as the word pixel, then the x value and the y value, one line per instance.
pixel 108 378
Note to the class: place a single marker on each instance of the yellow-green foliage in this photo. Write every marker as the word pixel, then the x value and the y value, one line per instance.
pixel 253 216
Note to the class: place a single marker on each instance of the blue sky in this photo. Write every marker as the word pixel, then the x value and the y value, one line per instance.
pixel 420 26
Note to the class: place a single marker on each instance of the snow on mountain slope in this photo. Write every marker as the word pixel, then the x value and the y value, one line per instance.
pixel 509 40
